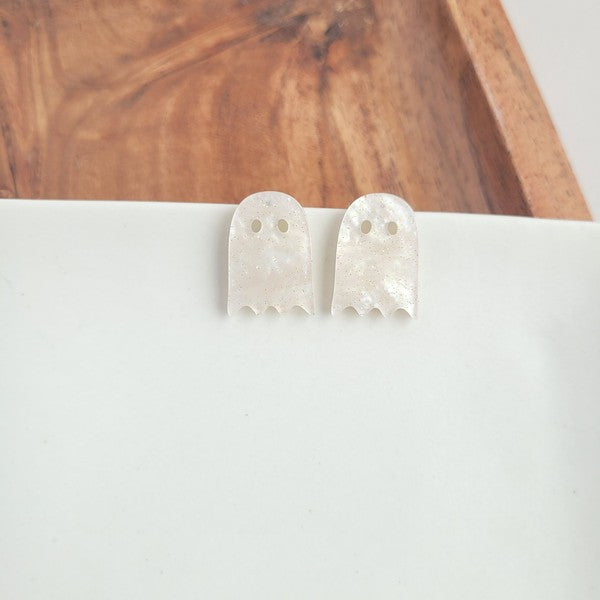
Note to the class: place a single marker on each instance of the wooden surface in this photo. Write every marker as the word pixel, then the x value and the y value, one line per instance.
pixel 202 100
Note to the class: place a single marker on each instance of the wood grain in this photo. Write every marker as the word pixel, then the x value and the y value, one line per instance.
pixel 200 100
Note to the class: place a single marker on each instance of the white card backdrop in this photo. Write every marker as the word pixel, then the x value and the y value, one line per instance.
pixel 152 447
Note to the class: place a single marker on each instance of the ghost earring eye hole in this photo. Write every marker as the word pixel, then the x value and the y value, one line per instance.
pixel 392 228
pixel 282 225
pixel 365 226
pixel 256 225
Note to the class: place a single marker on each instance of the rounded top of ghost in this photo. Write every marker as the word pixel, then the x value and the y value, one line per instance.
pixel 273 203
pixel 270 215
pixel 377 218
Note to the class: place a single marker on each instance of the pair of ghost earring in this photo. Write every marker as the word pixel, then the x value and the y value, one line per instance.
pixel 270 260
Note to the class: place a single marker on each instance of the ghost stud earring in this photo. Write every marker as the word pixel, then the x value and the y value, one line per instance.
pixel 376 259
pixel 269 255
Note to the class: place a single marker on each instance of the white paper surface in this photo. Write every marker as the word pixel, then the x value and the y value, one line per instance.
pixel 153 447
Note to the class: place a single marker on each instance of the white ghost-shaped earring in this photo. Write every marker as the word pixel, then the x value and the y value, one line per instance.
pixel 269 255
pixel 376 259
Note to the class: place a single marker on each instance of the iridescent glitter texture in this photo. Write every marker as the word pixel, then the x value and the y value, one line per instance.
pixel 269 255
pixel 377 258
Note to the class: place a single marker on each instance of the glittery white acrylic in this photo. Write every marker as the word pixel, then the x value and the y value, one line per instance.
pixel 376 260
pixel 269 255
